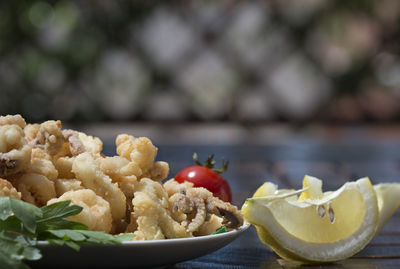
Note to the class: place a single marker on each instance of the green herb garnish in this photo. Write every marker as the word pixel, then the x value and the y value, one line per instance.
pixel 220 230
pixel 23 224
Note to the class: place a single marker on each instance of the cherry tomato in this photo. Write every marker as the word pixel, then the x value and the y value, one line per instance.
pixel 206 177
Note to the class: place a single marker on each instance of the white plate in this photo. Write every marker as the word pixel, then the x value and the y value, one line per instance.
pixel 135 253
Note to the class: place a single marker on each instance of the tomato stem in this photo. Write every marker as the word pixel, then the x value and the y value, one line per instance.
pixel 210 163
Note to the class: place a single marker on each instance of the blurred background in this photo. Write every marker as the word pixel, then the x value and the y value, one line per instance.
pixel 195 61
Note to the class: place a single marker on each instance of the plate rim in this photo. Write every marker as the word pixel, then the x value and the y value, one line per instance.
pixel 234 232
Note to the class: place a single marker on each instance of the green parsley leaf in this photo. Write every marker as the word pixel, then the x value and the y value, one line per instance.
pixel 22 224
pixel 73 235
pixel 25 212
pixel 125 237
pixel 9 263
pixel 220 230
pixel 5 208
pixel 54 217
pixel 59 210
pixel 99 237
pixel 14 249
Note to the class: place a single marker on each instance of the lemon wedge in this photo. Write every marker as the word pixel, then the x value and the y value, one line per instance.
pixel 316 228
pixel 313 186
pixel 388 195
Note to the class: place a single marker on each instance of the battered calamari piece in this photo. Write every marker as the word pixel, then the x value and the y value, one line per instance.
pixel 7 189
pixel 117 167
pixel 40 153
pixel 172 187
pixel 151 207
pixel 12 119
pixel 15 153
pixel 158 172
pixel 47 136
pixel 64 152
pixel 31 131
pixel 64 167
pixel 35 188
pixel 209 226
pixel 79 142
pixel 176 191
pixel 132 226
pixel 121 171
pixel 41 164
pixel 96 212
pixel 143 153
pixel 87 170
pixel 198 204
pixel 63 185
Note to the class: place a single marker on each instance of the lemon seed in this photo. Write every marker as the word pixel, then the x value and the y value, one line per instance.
pixel 321 210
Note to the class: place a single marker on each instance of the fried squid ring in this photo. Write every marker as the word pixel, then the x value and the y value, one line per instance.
pixel 95 214
pixel 35 188
pixel 87 170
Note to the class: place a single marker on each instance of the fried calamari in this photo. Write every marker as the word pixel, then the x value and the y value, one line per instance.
pixel 142 153
pixel 15 153
pixel 195 206
pixel 87 170
pixel 47 136
pixel 43 164
pixel 7 189
pixel 96 212
pixel 151 207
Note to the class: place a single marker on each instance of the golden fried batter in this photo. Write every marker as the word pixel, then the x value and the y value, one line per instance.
pixel 35 188
pixel 7 189
pixel 15 154
pixel 95 214
pixel 47 136
pixel 12 119
pixel 142 152
pixel 63 185
pixel 64 167
pixel 79 142
pixel 153 213
pixel 158 172
pixel 198 204
pixel 88 171
pixel 41 164
pixel 121 171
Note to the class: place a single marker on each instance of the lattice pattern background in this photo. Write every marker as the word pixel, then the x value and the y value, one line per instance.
pixel 244 61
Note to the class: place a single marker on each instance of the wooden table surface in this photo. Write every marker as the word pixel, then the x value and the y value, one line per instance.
pixel 335 155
